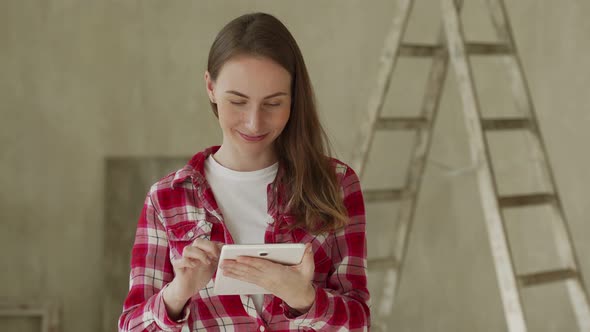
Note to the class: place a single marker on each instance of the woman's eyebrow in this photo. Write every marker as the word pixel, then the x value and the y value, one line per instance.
pixel 267 97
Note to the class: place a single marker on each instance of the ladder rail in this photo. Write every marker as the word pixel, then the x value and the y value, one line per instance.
pixel 497 235
pixel 521 90
pixel 415 170
pixel 563 237
pixel 423 143
pixel 387 61
pixel 504 30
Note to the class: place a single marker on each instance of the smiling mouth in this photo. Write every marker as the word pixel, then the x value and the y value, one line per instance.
pixel 252 138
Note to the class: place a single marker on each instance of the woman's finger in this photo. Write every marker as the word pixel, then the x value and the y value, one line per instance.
pixel 240 268
pixel 243 274
pixel 196 253
pixel 184 263
pixel 308 255
pixel 258 263
pixel 213 249
pixel 307 265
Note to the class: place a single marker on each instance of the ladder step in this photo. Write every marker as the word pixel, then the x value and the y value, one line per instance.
pixel 382 263
pixel 400 123
pixel 428 50
pixel 505 124
pixel 524 200
pixel 419 50
pixel 537 278
pixel 487 49
pixel 380 195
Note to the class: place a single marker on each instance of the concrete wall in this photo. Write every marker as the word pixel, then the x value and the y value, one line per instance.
pixel 82 81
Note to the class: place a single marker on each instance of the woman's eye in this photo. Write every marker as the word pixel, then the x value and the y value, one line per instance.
pixel 273 105
pixel 237 102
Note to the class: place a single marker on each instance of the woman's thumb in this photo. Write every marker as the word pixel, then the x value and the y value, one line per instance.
pixel 308 255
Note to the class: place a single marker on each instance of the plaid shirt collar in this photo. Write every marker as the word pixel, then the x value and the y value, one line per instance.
pixel 194 170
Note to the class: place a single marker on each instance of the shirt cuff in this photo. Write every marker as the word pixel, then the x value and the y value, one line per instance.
pixel 318 309
pixel 161 316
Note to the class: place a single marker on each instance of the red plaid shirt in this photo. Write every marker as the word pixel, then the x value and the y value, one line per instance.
pixel 180 208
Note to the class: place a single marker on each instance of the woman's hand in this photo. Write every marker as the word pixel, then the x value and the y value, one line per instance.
pixel 192 272
pixel 293 284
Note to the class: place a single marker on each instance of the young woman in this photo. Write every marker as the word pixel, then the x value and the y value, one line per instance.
pixel 270 181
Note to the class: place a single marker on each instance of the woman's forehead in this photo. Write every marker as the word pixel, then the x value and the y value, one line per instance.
pixel 255 74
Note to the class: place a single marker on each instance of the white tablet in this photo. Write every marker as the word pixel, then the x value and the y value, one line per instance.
pixel 283 253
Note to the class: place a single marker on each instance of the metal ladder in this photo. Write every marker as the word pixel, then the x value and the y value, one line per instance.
pixel 452 46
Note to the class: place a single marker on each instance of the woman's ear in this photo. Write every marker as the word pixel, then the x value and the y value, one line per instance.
pixel 209 84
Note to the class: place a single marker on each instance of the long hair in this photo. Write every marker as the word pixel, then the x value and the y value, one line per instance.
pixel 303 148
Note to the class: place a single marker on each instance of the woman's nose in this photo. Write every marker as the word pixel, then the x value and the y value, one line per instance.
pixel 254 120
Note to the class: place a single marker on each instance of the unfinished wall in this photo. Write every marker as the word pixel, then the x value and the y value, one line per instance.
pixel 82 81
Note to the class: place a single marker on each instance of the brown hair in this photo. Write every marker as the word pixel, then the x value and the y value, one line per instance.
pixel 303 147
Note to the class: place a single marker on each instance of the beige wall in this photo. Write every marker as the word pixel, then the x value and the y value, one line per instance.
pixel 82 80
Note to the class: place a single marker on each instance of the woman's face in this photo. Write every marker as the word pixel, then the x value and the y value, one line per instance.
pixel 253 97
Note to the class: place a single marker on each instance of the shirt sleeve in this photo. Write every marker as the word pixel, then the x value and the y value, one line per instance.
pixel 344 303
pixel 151 271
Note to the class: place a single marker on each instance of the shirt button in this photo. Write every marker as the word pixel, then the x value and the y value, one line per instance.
pixel 190 234
pixel 262 329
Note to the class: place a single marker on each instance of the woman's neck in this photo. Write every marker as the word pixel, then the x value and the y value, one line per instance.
pixel 244 162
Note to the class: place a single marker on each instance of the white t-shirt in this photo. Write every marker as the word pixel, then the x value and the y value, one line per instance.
pixel 242 199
